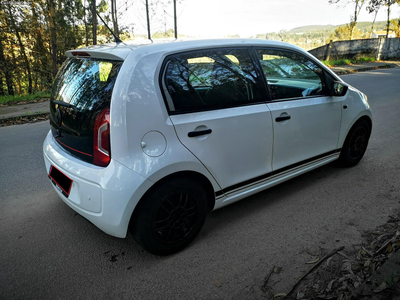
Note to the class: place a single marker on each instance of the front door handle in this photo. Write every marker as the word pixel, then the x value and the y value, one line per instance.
pixel 281 119
pixel 198 133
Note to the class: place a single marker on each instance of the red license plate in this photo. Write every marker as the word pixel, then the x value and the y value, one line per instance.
pixel 61 180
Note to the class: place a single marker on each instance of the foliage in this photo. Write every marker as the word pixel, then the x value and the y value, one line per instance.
pixel 373 6
pixel 310 37
pixel 34 38
pixel 395 26
pixel 9 100
pixel 356 60
pixel 358 5
pixel 346 32
pixel 35 34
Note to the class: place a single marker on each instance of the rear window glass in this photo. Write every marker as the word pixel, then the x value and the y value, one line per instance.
pixel 85 83
pixel 211 79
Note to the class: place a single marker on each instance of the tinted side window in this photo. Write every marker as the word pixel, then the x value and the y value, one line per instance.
pixel 210 80
pixel 291 75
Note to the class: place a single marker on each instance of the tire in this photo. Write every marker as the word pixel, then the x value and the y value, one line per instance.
pixel 355 145
pixel 170 216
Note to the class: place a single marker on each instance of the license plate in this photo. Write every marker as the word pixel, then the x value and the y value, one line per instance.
pixel 61 180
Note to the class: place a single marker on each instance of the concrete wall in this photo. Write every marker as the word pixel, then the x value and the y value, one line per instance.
pixel 380 48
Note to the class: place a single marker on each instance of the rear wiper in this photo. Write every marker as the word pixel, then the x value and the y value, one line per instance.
pixel 69 105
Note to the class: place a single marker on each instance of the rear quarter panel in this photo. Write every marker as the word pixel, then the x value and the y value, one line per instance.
pixel 138 108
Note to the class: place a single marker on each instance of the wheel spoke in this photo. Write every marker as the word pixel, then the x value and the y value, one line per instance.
pixel 358 143
pixel 175 217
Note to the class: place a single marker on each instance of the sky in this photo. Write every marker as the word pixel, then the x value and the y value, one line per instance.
pixel 220 18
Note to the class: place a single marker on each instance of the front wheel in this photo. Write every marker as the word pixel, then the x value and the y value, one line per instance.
pixel 355 144
pixel 169 216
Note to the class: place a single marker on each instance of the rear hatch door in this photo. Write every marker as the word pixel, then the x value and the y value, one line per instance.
pixel 81 91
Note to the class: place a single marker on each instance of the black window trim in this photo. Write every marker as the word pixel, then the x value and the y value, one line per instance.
pixel 167 97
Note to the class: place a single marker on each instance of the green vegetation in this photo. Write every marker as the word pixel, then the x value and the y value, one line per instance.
pixel 26 97
pixel 355 60
pixel 310 37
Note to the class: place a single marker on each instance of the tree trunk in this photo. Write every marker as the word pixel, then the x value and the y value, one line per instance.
pixel 373 23
pixel 86 10
pixel 114 17
pixel 5 67
pixel 1 86
pixel 53 35
pixel 388 19
pixel 94 22
pixel 22 49
pixel 357 9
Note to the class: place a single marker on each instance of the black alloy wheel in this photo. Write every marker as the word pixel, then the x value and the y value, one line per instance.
pixel 355 145
pixel 175 217
pixel 358 142
pixel 169 216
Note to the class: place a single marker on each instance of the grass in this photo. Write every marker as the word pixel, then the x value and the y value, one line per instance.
pixel 342 62
pixel 28 97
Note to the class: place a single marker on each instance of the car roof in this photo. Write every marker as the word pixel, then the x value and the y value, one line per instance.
pixel 121 50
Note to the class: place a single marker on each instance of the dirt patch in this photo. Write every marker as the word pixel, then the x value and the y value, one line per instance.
pixel 368 271
pixel 24 120
pixel 12 103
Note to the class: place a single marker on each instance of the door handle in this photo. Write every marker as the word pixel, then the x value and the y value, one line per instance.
pixel 200 132
pixel 281 119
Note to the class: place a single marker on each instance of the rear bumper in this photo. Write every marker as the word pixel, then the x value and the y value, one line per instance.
pixel 105 196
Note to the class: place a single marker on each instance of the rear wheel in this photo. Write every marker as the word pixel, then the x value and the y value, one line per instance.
pixel 355 144
pixel 170 216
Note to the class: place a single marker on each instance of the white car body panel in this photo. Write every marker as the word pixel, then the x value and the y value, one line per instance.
pixel 239 147
pixel 357 107
pixel 312 130
pixel 136 110
pixel 115 190
pixel 261 185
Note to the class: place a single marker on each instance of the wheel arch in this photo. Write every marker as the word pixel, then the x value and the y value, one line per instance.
pixel 195 176
pixel 366 118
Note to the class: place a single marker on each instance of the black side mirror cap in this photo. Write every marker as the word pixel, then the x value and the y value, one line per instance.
pixel 339 89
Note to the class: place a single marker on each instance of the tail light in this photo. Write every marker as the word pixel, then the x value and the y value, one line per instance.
pixel 101 139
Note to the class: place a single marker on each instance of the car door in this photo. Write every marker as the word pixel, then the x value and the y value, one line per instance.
pixel 215 102
pixel 306 120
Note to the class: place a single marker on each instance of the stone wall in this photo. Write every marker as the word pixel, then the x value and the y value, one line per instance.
pixel 380 48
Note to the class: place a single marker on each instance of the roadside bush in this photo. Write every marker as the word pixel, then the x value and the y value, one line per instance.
pixel 7 100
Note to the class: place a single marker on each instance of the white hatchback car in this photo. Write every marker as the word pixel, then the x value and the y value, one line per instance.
pixel 152 137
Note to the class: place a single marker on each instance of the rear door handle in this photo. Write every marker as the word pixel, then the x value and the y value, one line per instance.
pixel 281 119
pixel 198 133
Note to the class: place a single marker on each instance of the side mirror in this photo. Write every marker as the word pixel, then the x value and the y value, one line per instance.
pixel 339 89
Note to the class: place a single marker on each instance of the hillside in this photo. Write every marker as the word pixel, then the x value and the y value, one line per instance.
pixel 313 28
pixel 313 36
pixel 363 26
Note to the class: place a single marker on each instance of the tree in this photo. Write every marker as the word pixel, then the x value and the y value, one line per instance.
pixel 5 66
pixel 12 14
pixel 94 21
pixel 114 17
pixel 358 4
pixel 344 32
pixel 374 6
pixel 52 23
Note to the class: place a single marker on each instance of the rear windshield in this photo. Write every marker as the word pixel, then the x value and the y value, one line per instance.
pixel 85 83
pixel 81 91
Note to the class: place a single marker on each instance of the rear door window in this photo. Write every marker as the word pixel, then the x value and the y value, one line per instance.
pixel 210 80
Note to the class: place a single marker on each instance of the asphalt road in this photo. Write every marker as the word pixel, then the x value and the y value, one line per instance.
pixel 49 252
